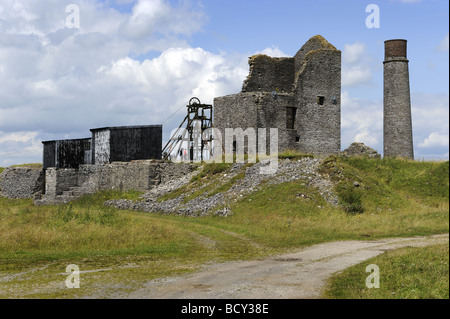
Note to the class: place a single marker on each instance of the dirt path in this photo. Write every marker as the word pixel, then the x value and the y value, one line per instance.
pixel 296 275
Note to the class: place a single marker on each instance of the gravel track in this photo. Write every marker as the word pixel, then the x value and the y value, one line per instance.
pixel 298 275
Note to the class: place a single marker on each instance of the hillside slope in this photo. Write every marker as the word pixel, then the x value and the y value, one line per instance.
pixel 220 213
pixel 354 184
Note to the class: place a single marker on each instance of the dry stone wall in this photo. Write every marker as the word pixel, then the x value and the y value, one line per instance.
pixel 21 182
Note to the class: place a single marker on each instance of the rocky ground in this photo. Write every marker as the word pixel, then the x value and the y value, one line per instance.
pixel 209 201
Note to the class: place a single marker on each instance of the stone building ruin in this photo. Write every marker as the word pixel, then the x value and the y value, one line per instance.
pixel 300 95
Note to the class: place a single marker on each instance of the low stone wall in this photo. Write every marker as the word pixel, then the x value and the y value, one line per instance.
pixel 21 182
pixel 64 185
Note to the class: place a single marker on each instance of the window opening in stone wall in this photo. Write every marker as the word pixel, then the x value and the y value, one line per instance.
pixel 290 117
pixel 321 100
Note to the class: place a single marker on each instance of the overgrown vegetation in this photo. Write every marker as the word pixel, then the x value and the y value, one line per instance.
pixel 388 184
pixel 378 198
pixel 407 273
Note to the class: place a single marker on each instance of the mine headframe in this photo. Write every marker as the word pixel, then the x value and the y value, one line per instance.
pixel 193 140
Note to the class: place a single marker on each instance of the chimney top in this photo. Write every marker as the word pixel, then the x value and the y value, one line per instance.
pixel 396 48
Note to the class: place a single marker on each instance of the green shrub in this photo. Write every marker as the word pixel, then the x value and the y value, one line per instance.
pixel 350 198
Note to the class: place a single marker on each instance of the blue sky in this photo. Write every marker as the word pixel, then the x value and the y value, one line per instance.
pixel 137 62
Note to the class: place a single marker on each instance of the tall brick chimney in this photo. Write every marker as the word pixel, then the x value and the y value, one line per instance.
pixel 398 139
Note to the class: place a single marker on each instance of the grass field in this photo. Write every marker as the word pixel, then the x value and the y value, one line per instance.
pixel 408 273
pixel 392 198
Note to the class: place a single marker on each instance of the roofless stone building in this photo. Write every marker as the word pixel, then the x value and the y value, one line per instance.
pixel 300 95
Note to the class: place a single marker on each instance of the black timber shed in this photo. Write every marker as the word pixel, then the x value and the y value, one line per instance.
pixel 126 143
pixel 67 153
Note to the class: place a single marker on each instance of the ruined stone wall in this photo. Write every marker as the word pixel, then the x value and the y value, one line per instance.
pixel 21 182
pixel 318 93
pixel 59 185
pixel 171 171
pixel 65 185
pixel 307 106
pixel 274 113
pixel 315 43
pixel 257 110
pixel 117 176
pixel 58 180
pixel 235 111
pixel 269 74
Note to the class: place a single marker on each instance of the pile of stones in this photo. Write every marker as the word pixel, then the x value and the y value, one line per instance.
pixel 305 169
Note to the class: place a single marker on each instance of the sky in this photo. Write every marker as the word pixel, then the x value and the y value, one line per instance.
pixel 69 66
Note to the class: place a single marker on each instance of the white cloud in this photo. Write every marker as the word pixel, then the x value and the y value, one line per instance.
pixel 150 16
pixel 362 121
pixel 435 139
pixel 58 83
pixel 186 71
pixel 19 148
pixel 356 65
pixel 353 53
pixel 356 75
pixel 273 52
pixel 444 46
pixel 366 137
pixel 23 137
pixel 124 92
pixel 430 113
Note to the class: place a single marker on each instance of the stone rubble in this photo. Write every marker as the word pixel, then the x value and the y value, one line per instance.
pixel 21 182
pixel 360 149
pixel 305 169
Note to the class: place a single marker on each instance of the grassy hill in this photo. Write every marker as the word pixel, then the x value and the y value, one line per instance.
pixel 377 198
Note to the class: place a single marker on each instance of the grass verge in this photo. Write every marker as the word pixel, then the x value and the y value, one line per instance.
pixel 407 273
